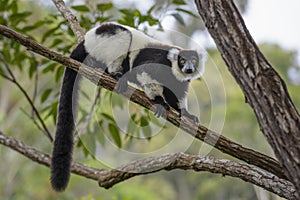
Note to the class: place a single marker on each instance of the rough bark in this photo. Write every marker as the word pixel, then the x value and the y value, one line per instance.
pixel 200 132
pixel 264 90
pixel 108 178
pixel 71 19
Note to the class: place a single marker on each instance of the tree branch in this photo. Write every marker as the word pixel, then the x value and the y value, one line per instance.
pixel 71 19
pixel 108 178
pixel 264 89
pixel 200 132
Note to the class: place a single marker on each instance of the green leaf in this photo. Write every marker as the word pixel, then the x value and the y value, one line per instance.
pixel 81 8
pixel 88 143
pixel 13 6
pixel 179 2
pixel 117 101
pixel 19 17
pixel 59 73
pixel 187 12
pixel 151 9
pixel 131 127
pixel 34 26
pixel 32 69
pixel 56 42
pixel 107 116
pixel 51 67
pixel 84 149
pixel 45 95
pixel 3 5
pixel 51 32
pixel 85 95
pixel 137 13
pixel 104 6
pixel 144 121
pixel 52 111
pixel 98 130
pixel 179 18
pixel 114 131
pixel 147 132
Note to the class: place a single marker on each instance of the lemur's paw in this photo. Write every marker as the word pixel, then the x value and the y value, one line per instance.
pixel 185 113
pixel 161 110
pixel 161 107
pixel 116 75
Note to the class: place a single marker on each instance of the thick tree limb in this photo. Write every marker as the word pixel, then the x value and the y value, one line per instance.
pixel 200 132
pixel 71 19
pixel 265 91
pixel 108 178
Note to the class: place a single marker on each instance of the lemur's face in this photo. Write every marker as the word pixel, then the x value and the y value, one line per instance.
pixel 186 64
pixel 188 61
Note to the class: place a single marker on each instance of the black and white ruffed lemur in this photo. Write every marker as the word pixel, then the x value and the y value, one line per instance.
pixel 162 71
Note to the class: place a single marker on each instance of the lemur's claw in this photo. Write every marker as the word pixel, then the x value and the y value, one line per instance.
pixel 161 107
pixel 185 113
pixel 116 75
pixel 161 110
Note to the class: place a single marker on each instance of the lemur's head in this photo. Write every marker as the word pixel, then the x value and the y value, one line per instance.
pixel 186 64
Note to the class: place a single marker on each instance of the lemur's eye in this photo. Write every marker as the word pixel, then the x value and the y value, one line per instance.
pixel 182 61
pixel 194 61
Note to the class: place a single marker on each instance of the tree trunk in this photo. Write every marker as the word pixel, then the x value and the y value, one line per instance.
pixel 264 90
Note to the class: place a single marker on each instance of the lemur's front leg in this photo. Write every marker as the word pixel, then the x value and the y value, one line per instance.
pixel 161 106
pixel 184 113
pixel 155 92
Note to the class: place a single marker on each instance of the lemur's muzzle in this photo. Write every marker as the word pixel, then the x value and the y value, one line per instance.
pixel 188 68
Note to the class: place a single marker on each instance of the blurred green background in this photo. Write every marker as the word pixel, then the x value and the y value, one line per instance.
pixel 215 98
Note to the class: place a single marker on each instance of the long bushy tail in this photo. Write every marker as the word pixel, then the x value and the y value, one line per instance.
pixel 63 143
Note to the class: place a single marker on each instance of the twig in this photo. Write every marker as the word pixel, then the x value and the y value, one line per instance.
pixel 88 117
pixel 71 19
pixel 108 178
pixel 6 77
pixel 200 132
pixel 33 120
pixel 14 80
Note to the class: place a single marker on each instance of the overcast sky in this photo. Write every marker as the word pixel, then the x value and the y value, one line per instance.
pixel 275 21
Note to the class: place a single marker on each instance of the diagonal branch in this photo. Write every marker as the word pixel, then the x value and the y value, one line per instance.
pixel 200 132
pixel 108 178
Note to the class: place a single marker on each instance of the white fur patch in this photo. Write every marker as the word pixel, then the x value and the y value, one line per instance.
pixel 173 54
pixel 139 41
pixel 151 87
pixel 110 49
pixel 182 103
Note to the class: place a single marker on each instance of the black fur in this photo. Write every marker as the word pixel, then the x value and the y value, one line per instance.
pixel 109 29
pixel 153 60
pixel 63 143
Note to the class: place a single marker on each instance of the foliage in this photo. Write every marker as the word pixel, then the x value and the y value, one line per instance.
pixel 41 78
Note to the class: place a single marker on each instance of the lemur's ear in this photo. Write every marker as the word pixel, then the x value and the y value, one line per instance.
pixel 202 55
pixel 173 54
